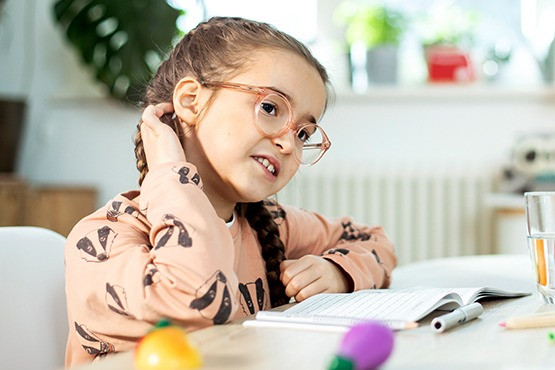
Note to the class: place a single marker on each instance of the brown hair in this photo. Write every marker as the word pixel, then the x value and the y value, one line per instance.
pixel 215 50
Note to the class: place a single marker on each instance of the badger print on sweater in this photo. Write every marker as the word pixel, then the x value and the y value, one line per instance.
pixel 96 245
pixel 376 256
pixel 151 276
pixel 277 212
pixel 338 251
pixel 183 173
pixel 379 260
pixel 175 234
pixel 114 211
pixel 116 299
pixel 352 233
pixel 249 290
pixel 214 295
pixel 91 343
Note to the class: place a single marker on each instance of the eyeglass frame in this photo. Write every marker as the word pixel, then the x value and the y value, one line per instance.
pixel 265 91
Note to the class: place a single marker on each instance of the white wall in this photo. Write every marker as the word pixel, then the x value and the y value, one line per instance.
pixel 436 124
pixel 74 135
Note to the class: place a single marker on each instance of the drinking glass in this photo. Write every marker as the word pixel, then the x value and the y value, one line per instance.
pixel 540 225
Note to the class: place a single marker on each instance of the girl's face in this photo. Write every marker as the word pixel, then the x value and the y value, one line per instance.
pixel 230 148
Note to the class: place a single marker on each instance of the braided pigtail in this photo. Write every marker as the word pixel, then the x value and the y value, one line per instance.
pixel 142 166
pixel 273 250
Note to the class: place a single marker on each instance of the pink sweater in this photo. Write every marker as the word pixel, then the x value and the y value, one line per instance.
pixel 164 253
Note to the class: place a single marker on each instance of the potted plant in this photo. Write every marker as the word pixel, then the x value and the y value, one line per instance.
pixel 379 30
pixel 447 35
pixel 122 41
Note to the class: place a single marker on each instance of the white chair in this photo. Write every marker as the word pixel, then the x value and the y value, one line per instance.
pixel 33 320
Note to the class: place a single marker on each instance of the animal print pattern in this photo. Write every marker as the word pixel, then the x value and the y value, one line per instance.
pixel 352 233
pixel 278 213
pixel 116 299
pixel 91 343
pixel 97 244
pixel 183 173
pixel 214 291
pixel 151 276
pixel 338 251
pixel 176 233
pixel 249 290
pixel 114 211
pixel 376 256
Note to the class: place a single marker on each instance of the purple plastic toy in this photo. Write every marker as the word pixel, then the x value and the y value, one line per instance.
pixel 365 346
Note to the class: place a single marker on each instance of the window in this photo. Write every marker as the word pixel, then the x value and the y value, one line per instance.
pixel 298 18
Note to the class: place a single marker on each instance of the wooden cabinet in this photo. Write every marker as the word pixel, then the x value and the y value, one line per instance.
pixel 13 193
pixel 57 208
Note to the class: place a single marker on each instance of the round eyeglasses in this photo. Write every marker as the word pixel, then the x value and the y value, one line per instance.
pixel 274 117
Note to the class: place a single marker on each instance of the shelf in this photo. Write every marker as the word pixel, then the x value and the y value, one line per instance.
pixel 445 92
pixel 505 201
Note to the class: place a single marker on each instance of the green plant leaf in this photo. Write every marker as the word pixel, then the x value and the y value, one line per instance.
pixel 373 25
pixel 121 41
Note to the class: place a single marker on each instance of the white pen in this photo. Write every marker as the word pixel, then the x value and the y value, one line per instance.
pixel 457 317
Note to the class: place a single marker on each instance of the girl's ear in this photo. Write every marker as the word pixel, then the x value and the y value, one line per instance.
pixel 187 100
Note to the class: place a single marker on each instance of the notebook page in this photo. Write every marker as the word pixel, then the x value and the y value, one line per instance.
pixel 407 304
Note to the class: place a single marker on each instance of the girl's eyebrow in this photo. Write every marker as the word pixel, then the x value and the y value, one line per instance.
pixel 310 117
pixel 279 91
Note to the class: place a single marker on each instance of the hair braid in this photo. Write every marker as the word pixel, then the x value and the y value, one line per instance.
pixel 142 165
pixel 273 250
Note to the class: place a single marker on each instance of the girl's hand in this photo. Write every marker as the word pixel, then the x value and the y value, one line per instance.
pixel 160 142
pixel 310 275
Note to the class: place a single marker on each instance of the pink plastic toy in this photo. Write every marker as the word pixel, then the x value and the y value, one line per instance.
pixel 365 346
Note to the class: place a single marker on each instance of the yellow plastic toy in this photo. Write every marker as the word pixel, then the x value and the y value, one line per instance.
pixel 166 347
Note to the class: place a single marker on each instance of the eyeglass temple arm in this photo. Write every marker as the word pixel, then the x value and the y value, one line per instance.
pixel 316 146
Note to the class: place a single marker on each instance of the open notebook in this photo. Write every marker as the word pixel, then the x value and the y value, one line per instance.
pixel 396 308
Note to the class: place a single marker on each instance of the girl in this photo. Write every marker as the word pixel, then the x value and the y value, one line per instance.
pixel 200 244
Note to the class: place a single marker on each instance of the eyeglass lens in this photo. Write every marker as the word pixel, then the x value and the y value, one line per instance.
pixel 273 116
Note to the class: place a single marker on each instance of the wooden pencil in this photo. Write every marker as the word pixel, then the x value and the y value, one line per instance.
pixel 540 320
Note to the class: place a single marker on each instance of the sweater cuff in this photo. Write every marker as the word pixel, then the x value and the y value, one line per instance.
pixel 342 264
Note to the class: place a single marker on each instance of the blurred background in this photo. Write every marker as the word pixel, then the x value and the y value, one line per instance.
pixel 444 112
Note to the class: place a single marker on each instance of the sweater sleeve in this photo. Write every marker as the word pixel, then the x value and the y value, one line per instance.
pixel 192 249
pixel 127 268
pixel 364 253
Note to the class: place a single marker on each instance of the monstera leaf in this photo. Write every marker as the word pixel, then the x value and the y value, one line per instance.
pixel 123 41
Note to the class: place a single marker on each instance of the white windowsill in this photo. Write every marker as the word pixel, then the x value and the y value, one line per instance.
pixel 447 92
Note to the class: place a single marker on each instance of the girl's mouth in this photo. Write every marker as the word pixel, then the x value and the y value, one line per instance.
pixel 266 163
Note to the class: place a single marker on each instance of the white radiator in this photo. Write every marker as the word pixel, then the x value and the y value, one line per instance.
pixel 426 213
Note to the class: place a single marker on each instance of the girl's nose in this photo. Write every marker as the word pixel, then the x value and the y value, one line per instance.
pixel 286 142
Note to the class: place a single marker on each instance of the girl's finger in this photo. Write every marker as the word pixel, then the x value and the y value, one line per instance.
pixel 150 115
pixel 165 107
pixel 300 282
pixel 290 270
pixel 153 112
pixel 311 289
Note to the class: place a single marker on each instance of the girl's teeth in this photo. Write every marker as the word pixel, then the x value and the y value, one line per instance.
pixel 266 164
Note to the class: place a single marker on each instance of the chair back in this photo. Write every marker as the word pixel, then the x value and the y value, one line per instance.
pixel 32 310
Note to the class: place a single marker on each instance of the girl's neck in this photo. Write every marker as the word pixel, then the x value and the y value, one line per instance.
pixel 195 154
pixel 223 208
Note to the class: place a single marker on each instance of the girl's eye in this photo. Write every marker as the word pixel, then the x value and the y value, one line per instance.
pixel 269 108
pixel 303 135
